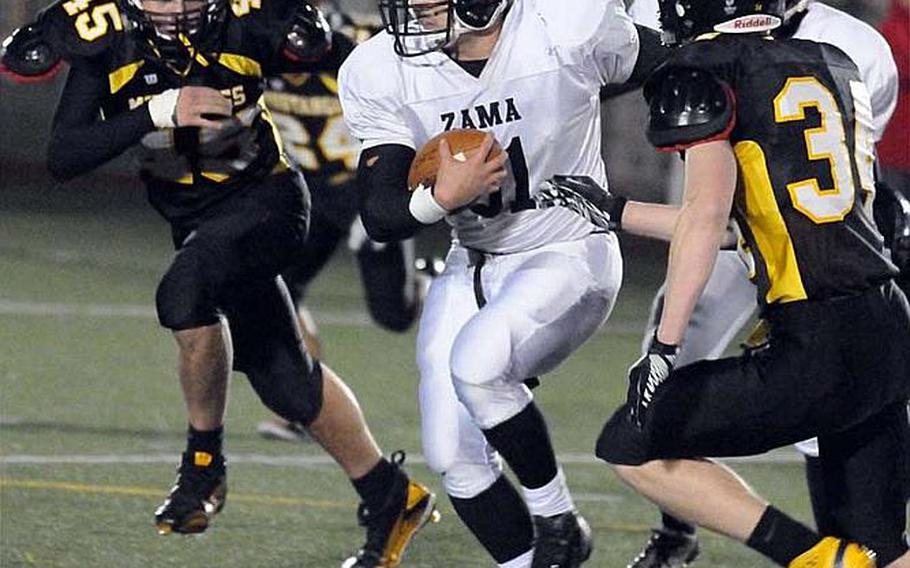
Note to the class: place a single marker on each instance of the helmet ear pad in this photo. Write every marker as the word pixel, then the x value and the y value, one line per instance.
pixel 477 14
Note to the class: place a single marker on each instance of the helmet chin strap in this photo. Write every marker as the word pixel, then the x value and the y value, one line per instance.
pixel 796 9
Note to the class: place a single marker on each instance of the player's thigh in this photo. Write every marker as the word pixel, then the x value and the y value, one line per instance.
pixel 544 308
pixel 450 303
pixel 321 243
pixel 732 407
pixel 255 235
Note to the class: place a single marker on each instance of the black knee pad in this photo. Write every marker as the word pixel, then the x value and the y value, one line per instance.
pixel 290 389
pixel 391 313
pixel 184 299
pixel 389 286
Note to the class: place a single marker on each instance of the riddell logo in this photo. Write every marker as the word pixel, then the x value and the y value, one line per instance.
pixel 749 24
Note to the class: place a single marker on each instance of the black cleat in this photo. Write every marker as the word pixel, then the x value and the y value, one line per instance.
pixel 667 549
pixel 197 495
pixel 561 541
pixel 407 509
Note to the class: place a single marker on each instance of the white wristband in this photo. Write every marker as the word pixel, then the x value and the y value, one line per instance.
pixel 163 108
pixel 424 207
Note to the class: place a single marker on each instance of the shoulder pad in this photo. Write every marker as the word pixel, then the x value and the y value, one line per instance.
pixel 82 29
pixel 688 106
pixel 28 56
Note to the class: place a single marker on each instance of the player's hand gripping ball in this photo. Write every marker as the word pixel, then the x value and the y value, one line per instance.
pixel 463 144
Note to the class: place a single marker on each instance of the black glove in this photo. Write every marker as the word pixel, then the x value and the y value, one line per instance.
pixel 28 55
pixel 585 197
pixel 310 36
pixel 645 378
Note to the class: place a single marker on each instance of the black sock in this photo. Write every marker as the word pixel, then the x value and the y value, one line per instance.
pixel 208 441
pixel 374 487
pixel 818 495
pixel 781 538
pixel 524 442
pixel 499 519
pixel 676 524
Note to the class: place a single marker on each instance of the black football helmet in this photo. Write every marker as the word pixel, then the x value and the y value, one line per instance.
pixel 194 20
pixel 422 26
pixel 684 20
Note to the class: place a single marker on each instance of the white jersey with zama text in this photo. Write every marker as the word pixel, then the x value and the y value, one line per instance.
pixel 537 94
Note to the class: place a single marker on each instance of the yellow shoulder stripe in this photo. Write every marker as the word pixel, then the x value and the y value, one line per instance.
pixel 330 82
pixel 241 64
pixel 123 75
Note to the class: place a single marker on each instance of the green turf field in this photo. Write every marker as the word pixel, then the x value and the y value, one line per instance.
pixel 92 419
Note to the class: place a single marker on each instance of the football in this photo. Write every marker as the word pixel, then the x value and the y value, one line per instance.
pixel 463 143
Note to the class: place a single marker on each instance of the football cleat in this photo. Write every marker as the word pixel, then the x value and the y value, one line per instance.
pixel 561 541
pixel 197 495
pixel 667 549
pixel 407 509
pixel 833 552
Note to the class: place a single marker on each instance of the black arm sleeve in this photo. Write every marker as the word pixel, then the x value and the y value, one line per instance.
pixel 382 180
pixel 651 53
pixel 80 140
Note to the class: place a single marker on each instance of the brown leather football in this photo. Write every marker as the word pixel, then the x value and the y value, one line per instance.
pixel 462 142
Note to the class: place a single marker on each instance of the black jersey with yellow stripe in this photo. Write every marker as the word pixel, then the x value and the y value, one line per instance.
pixel 306 109
pixel 186 169
pixel 802 137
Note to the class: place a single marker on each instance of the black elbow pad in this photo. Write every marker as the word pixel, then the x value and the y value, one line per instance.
pixel 688 106
pixel 28 56
pixel 309 37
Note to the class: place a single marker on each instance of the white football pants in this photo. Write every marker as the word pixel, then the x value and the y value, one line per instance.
pixel 538 307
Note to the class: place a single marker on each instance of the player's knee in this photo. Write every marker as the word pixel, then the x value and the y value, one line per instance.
pixel 391 313
pixel 440 456
pixel 468 480
pixel 492 403
pixel 293 391
pixel 183 301
pixel 640 477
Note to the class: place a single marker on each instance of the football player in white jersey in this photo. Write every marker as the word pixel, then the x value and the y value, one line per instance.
pixel 522 288
pixel 729 299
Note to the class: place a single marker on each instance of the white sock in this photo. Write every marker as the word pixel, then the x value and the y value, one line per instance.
pixel 551 499
pixel 523 561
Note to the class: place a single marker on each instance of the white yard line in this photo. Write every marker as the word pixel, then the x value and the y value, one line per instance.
pixel 781 456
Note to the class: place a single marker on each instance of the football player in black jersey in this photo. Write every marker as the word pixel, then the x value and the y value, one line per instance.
pixel 183 79
pixel 306 109
pixel 775 132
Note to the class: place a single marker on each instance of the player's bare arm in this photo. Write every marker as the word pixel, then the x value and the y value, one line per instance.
pixel 699 232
